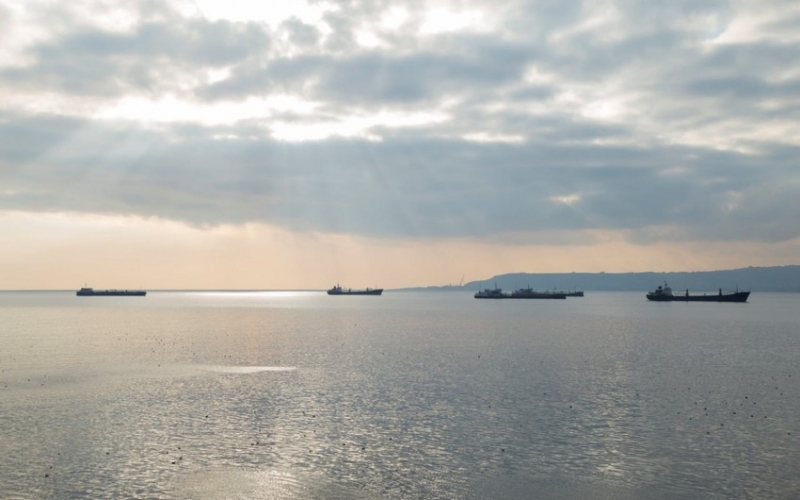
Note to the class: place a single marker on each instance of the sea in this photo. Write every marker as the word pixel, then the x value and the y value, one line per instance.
pixel 410 395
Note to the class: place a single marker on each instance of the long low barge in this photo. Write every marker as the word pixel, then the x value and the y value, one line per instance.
pixel 91 292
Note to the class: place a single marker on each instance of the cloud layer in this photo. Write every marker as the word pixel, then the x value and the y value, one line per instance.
pixel 674 122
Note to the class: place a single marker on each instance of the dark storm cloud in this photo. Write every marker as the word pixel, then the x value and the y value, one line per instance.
pixel 735 177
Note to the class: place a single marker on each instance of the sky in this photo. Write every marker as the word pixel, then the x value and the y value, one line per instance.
pixel 294 145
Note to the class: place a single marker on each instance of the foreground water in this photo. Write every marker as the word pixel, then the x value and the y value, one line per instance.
pixel 410 395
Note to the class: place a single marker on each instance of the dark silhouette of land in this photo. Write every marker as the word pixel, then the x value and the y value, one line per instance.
pixel 761 279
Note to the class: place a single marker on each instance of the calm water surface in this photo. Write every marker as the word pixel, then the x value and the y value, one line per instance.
pixel 297 395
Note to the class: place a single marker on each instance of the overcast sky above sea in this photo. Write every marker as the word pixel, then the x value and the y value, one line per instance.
pixel 259 144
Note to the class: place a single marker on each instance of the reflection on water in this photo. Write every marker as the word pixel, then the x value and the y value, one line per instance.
pixel 247 369
pixel 403 396
pixel 236 483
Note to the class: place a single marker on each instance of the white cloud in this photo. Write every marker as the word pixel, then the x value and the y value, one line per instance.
pixel 394 18
pixel 754 22
pixel 369 39
pixel 356 126
pixel 271 13
pixel 569 199
pixel 499 138
pixel 443 20
pixel 170 109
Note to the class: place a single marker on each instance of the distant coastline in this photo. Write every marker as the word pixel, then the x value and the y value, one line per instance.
pixel 759 279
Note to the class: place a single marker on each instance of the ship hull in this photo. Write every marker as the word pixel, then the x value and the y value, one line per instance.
pixel 535 295
pixel 539 296
pixel 522 293
pixel 728 297
pixel 111 293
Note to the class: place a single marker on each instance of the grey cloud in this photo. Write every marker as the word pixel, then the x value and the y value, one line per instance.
pixel 430 188
pixel 368 77
pixel 152 58
pixel 788 23
pixel 301 34
pixel 420 77
pixel 283 75
pixel 5 18
pixel 535 92
pixel 537 19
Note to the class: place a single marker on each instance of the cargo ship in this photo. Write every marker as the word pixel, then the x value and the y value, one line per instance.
pixel 522 293
pixel 529 293
pixel 494 293
pixel 664 294
pixel 337 290
pixel 91 292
